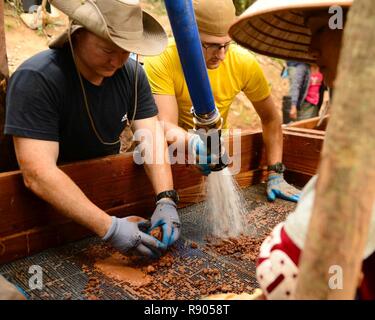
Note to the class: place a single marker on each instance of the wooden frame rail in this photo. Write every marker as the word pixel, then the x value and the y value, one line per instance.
pixel 120 187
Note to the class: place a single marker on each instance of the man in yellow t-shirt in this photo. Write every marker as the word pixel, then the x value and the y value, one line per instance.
pixel 231 69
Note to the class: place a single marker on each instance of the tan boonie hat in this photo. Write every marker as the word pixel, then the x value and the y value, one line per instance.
pixel 122 22
pixel 214 17
pixel 278 28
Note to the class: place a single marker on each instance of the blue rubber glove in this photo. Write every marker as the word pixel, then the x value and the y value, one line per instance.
pixel 198 149
pixel 166 217
pixel 125 235
pixel 277 187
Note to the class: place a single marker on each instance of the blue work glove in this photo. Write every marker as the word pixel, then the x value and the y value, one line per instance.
pixel 198 149
pixel 284 73
pixel 277 187
pixel 126 236
pixel 166 217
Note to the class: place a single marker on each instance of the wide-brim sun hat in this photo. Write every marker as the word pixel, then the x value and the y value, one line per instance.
pixel 122 22
pixel 278 28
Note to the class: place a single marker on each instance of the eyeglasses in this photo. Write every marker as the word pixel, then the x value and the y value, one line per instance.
pixel 214 47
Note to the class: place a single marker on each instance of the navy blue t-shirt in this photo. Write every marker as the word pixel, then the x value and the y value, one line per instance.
pixel 45 102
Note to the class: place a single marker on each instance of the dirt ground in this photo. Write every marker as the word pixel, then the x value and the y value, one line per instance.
pixel 23 43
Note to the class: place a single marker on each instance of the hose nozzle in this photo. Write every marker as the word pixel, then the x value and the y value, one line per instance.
pixel 208 127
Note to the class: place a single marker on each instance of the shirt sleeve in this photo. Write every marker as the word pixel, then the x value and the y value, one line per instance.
pixel 255 84
pixel 146 106
pixel 31 107
pixel 159 71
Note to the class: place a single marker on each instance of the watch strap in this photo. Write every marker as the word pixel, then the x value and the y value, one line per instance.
pixel 172 194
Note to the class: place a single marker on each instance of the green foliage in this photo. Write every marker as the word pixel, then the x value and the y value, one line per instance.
pixel 16 5
pixel 242 5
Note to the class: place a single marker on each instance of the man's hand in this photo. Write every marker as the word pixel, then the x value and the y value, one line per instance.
pixel 125 235
pixel 166 217
pixel 198 150
pixel 293 113
pixel 203 161
pixel 277 187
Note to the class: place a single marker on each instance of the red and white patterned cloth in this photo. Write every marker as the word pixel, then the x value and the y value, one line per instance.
pixel 277 268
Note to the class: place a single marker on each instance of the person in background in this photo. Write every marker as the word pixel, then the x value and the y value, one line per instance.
pixel 309 107
pixel 296 73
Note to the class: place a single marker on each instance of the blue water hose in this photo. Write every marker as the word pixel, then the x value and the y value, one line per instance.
pixel 182 18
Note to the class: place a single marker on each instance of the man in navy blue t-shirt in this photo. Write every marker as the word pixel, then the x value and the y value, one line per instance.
pixel 72 101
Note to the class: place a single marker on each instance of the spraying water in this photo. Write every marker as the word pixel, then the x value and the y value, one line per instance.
pixel 225 211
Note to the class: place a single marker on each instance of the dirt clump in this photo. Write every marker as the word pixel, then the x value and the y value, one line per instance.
pixel 194 245
pixel 242 248
pixel 172 277
pixel 157 233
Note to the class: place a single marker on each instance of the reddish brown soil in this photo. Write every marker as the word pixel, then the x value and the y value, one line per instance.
pixel 186 277
pixel 242 248
pixel 157 233
pixel 116 267
pixel 170 277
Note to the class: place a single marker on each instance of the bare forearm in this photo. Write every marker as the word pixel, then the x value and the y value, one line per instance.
pixel 175 134
pixel 56 188
pixel 273 140
pixel 168 117
pixel 160 176
pixel 156 160
pixel 272 131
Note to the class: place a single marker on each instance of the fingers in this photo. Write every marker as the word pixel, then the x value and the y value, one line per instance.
pixel 147 252
pixel 293 113
pixel 271 196
pixel 204 169
pixel 156 224
pixel 279 188
pixel 293 198
pixel 291 194
pixel 293 190
pixel 171 239
pixel 279 194
pixel 174 235
pixel 144 225
pixel 167 231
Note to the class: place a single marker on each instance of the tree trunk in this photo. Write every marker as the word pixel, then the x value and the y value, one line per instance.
pixel 7 157
pixel 345 191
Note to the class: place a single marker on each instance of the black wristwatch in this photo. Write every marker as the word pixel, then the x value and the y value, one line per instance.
pixel 168 194
pixel 278 167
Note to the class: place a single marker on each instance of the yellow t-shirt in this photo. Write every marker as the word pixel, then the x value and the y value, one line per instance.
pixel 238 72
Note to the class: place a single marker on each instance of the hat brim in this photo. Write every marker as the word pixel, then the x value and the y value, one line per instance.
pixel 152 42
pixel 279 29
